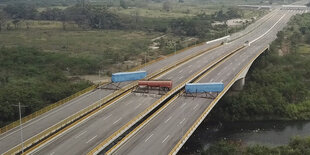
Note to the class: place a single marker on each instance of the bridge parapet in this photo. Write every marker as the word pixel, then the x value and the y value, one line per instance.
pixel 240 80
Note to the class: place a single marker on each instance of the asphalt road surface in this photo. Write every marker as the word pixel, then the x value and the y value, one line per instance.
pixel 164 131
pixel 179 74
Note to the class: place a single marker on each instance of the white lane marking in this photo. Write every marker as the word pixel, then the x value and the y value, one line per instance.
pixel 211 80
pixel 267 30
pixel 190 66
pixel 52 153
pixel 128 103
pixel 138 106
pixel 195 106
pixel 148 138
pixel 183 105
pixel 180 77
pixel 80 134
pixel 117 120
pixel 91 139
pixel 52 112
pixel 107 117
pixel 182 121
pixel 168 119
pixel 165 139
pixel 181 71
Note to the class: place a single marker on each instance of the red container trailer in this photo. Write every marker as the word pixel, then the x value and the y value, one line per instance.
pixel 157 83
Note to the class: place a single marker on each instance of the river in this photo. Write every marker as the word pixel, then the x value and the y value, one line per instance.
pixel 270 133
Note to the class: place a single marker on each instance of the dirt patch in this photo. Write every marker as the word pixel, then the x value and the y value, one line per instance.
pixel 94 78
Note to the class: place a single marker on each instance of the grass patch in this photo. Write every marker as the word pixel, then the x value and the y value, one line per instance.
pixel 304 49
pixel 50 36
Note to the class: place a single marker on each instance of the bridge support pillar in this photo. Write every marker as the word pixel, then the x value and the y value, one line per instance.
pixel 239 84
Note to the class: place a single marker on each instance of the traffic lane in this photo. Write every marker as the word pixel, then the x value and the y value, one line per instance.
pixel 137 143
pixel 152 139
pixel 232 66
pixel 182 72
pixel 119 105
pixel 159 134
pixel 39 124
pixel 70 143
pixel 100 126
pixel 263 28
pixel 204 46
pixel 177 112
pixel 16 130
pixel 170 60
pixel 124 84
pixel 253 26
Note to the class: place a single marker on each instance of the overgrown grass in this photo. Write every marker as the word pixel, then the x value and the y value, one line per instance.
pixel 50 36
pixel 106 47
pixel 304 49
pixel 296 145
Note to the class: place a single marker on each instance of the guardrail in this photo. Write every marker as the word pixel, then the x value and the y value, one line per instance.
pixel 162 58
pixel 219 39
pixel 90 108
pixel 68 120
pixel 116 134
pixel 179 145
pixel 46 109
pixel 67 99
pixel 271 15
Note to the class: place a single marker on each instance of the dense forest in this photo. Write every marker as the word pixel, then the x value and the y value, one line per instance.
pixel 35 79
pixel 297 146
pixel 277 86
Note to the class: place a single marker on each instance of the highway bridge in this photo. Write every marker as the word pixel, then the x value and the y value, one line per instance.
pixel 92 121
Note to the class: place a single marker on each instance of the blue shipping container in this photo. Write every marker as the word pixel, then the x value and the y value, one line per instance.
pixel 203 87
pixel 128 76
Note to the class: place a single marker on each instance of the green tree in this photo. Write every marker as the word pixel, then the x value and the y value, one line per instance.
pixel 3 19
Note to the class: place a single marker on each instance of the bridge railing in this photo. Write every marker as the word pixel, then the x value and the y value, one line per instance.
pixel 205 113
pixel 46 109
pixel 67 99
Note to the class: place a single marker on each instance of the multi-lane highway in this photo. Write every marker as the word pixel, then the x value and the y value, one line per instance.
pixel 85 136
pixel 120 113
pixel 93 130
pixel 11 138
pixel 163 132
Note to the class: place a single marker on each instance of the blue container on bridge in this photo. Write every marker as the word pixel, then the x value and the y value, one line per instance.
pixel 204 87
pixel 128 76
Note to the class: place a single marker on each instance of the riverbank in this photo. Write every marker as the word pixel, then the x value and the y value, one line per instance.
pixel 296 146
pixel 264 133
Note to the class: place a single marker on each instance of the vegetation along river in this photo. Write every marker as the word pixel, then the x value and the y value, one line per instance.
pixel 269 133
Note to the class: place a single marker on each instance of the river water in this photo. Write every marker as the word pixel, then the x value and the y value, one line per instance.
pixel 270 133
